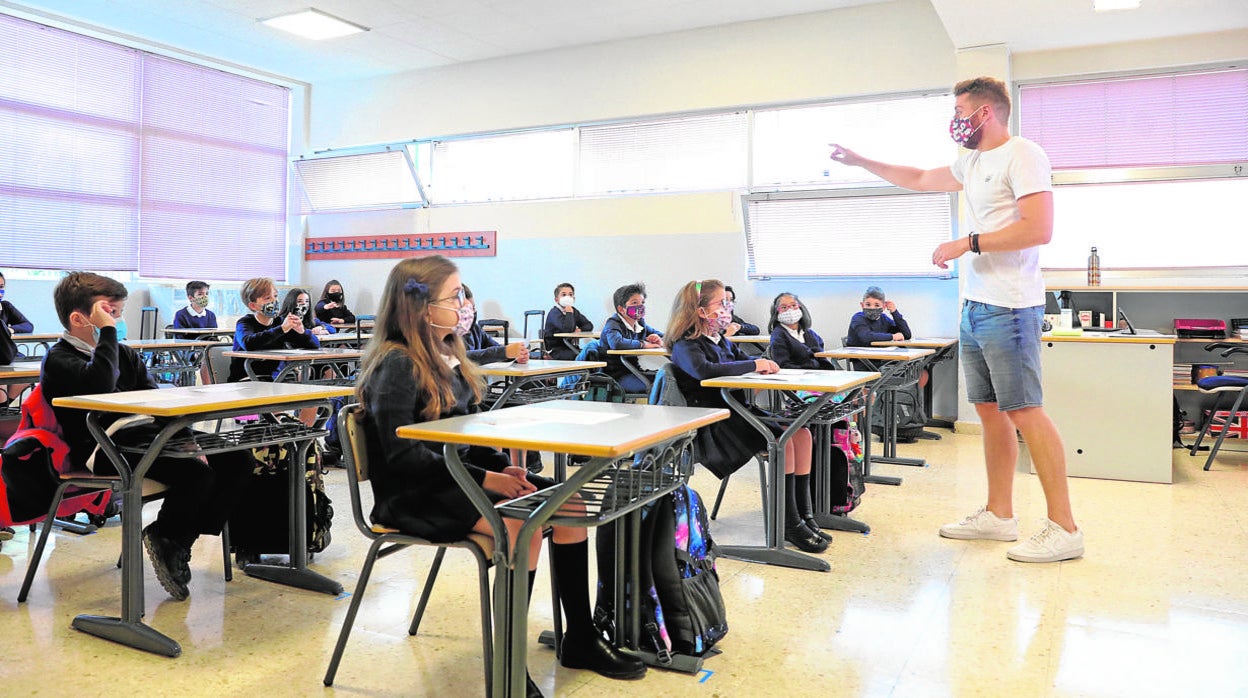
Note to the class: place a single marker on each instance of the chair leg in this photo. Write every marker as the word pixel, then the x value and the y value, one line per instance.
pixel 1204 428
pixel 719 498
pixel 1225 428
pixel 487 625
pixel 44 530
pixel 349 621
pixel 424 594
pixel 225 552
pixel 555 608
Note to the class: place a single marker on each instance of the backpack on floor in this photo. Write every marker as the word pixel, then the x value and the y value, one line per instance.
pixel 260 523
pixel 846 468
pixel 682 609
pixel 911 417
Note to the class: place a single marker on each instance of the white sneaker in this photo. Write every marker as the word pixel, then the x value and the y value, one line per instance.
pixel 982 525
pixel 1050 544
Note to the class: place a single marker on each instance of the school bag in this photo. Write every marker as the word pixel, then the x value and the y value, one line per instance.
pixel 32 457
pixel 846 481
pixel 260 524
pixel 910 414
pixel 682 609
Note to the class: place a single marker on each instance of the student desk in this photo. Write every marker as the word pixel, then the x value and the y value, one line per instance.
pixel 538 380
pixel 300 362
pixel 899 367
pixel 350 339
pixel 180 358
pixel 572 340
pixel 945 349
pixel 18 373
pixel 610 485
pixel 35 343
pixel 225 333
pixel 631 358
pixel 829 383
pixel 180 408
pixel 753 345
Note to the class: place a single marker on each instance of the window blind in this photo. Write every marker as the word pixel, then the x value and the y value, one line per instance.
pixel 813 234
pixel 697 153
pixel 1196 118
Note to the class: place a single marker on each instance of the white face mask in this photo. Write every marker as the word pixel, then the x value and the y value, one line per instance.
pixel 566 301
pixel 789 317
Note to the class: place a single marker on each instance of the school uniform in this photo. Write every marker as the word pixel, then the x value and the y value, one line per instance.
pixel 413 490
pixel 200 496
pixel 481 347
pixel 797 349
pixel 725 446
pixel 11 322
pixel 558 321
pixel 191 317
pixel 250 335
pixel 327 315
pixel 747 329
pixel 618 334
pixel 862 332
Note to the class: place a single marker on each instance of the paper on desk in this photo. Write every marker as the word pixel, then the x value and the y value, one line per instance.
pixel 784 375
pixel 879 350
pixel 508 419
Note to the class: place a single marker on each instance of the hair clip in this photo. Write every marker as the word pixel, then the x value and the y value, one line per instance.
pixel 416 288
pixel 697 287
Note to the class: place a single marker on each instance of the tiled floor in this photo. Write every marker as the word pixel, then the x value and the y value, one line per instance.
pixel 1159 606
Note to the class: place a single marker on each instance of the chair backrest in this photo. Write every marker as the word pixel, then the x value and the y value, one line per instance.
pixel 666 391
pixel 495 323
pixel 530 313
pixel 218 364
pixel 148 322
pixel 354 444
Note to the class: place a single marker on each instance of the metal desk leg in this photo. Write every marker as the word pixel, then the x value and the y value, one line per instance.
pixel 774 552
pixel 297 573
pixel 867 458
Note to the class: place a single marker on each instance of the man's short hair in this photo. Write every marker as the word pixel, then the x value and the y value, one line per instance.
pixel 255 288
pixel 194 286
pixel 80 289
pixel 987 89
pixel 874 292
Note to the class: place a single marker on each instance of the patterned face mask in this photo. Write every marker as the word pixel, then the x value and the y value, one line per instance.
pixel 960 129
pixel 719 323
pixel 873 313
pixel 200 301
pixel 636 312
pixel 301 309
pixel 789 317
pixel 269 309
pixel 467 316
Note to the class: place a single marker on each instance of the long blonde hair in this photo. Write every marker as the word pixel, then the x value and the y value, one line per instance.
pixel 403 325
pixel 684 322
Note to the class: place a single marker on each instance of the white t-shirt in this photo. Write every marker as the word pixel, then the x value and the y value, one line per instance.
pixel 994 180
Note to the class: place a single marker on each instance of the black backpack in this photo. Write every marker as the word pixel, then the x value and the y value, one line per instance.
pixel 682 610
pixel 911 417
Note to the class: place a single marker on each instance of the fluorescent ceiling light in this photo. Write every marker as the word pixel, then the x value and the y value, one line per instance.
pixel 1110 5
pixel 314 24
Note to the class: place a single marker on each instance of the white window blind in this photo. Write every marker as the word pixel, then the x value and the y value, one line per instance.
pixel 119 160
pixel 538 165
pixel 791 144
pixel 1154 120
pixel 697 153
pixel 69 138
pixel 359 181
pixel 1150 226
pixel 818 235
pixel 214 170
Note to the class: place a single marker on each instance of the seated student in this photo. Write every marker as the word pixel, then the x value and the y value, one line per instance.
pixel 86 360
pixel 737 326
pixel 700 351
pixel 11 322
pixel 879 321
pixel 260 330
pixel 627 329
pixel 196 313
pixel 793 343
pixel 481 347
pixel 563 317
pixel 331 309
pixel 298 302
pixel 415 370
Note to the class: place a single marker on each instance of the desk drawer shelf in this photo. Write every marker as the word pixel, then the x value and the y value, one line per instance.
pixel 249 436
pixel 830 413
pixel 628 484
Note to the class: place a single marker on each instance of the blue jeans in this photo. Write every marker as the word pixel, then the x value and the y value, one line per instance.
pixel 1001 355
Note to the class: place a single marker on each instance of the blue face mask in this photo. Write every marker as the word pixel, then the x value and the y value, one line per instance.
pixel 95 335
pixel 1 293
pixel 121 329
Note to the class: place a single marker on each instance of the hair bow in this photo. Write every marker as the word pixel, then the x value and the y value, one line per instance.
pixel 416 288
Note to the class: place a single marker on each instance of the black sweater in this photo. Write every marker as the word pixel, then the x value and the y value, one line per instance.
pixel 790 353
pixel 250 335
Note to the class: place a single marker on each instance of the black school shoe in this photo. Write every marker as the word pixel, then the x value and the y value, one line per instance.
pixel 804 539
pixel 814 528
pixel 533 462
pixel 596 654
pixel 171 562
pixel 530 687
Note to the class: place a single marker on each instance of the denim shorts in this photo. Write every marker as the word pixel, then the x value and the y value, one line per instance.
pixel 1000 353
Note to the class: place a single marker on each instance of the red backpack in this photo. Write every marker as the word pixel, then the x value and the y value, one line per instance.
pixel 30 458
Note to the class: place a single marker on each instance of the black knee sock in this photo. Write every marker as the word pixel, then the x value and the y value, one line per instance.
pixel 532 578
pixel 791 516
pixel 572 570
pixel 805 507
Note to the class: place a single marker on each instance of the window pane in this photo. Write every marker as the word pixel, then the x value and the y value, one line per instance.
pixel 698 153
pixel 791 145
pixel 535 165
pixel 1150 225
pixel 352 182
pixel 1156 120
pixel 69 110
pixel 214 171
pixel 891 235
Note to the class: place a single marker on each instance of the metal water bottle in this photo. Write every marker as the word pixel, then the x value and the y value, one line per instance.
pixel 1094 268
